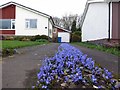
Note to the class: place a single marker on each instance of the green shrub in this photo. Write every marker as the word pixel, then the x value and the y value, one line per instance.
pixel 7 52
pixel 22 38
pixel 41 40
pixel 17 38
pixel 37 37
pixel 34 38
pixel 77 33
pixel 75 38
pixel 9 37
pixel 30 38
pixel 44 37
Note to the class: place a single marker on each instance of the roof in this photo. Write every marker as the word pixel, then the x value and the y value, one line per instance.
pixel 27 8
pixel 62 28
pixel 111 0
pixel 93 1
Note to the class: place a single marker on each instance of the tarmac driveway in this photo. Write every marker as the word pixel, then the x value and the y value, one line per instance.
pixel 109 61
pixel 18 69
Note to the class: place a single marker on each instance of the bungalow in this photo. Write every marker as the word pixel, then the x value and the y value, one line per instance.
pixel 16 19
pixel 61 35
pixel 101 20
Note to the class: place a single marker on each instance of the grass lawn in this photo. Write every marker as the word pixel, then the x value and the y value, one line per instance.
pixel 114 51
pixel 11 44
pixel 0 44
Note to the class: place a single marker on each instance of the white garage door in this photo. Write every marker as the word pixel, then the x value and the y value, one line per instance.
pixel 64 37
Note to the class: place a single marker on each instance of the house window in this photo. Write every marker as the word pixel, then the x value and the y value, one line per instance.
pixel 13 24
pixel 7 24
pixel 31 23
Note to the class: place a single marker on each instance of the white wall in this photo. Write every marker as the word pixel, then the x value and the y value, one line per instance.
pixel 111 20
pixel 50 29
pixel 65 36
pixel 22 14
pixel 95 25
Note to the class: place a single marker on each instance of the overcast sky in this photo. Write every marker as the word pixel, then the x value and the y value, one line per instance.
pixel 57 8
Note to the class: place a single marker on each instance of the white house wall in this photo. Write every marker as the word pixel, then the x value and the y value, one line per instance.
pixel 65 36
pixel 22 14
pixel 110 20
pixel 50 29
pixel 95 25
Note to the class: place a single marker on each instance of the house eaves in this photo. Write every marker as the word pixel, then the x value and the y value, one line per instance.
pixel 27 8
pixel 111 0
pixel 93 1
pixel 62 29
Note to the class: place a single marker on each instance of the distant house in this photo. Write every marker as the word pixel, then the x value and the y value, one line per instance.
pixel 101 20
pixel 61 35
pixel 16 19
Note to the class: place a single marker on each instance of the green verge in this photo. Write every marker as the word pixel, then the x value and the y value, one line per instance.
pixel 12 44
pixel 114 51
pixel 8 46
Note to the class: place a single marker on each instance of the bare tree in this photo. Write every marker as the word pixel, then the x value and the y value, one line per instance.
pixel 67 20
pixel 57 21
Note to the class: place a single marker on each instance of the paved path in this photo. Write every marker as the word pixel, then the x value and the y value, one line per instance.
pixel 16 68
pixel 106 60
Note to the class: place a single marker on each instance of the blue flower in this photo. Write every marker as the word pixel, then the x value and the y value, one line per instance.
pixel 47 81
pixel 94 80
pixel 41 80
pixel 99 87
pixel 69 63
pixel 33 87
pixel 44 86
pixel 80 77
pixel 66 78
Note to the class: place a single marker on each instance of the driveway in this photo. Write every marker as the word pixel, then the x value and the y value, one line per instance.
pixel 16 69
pixel 106 60
pixel 19 70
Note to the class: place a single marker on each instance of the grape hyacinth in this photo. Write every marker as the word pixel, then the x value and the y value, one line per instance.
pixel 70 66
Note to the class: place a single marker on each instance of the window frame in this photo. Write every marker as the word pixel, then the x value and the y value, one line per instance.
pixel 29 22
pixel 12 21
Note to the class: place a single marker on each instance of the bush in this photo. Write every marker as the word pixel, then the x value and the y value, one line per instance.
pixel 8 37
pixel 77 33
pixel 41 40
pixel 37 37
pixel 44 37
pixel 2 37
pixel 34 38
pixel 17 38
pixel 75 38
pixel 7 52
pixel 22 38
pixel 27 38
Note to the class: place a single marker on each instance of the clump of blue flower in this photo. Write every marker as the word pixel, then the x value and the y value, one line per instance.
pixel 70 66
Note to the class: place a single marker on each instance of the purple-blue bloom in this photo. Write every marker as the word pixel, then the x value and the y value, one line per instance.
pixel 44 86
pixel 70 63
pixel 94 79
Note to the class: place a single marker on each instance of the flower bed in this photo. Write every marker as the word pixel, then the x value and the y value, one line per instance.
pixel 70 68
